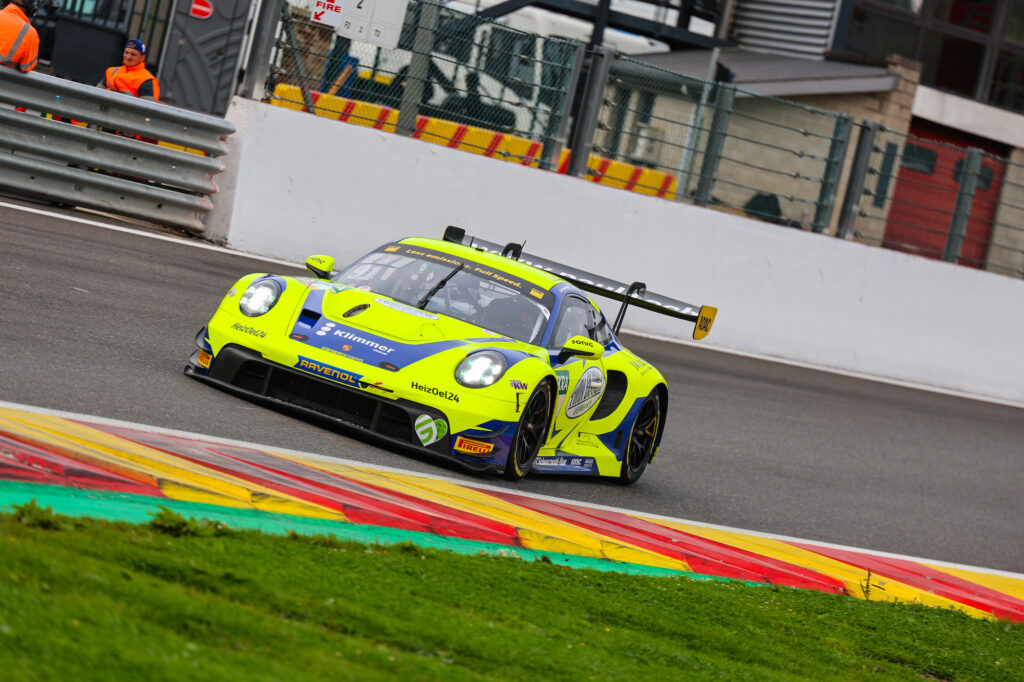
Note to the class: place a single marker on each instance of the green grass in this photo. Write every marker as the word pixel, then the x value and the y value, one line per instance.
pixel 179 599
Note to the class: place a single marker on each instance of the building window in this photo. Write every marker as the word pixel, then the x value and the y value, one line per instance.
pixel 1015 22
pixel 977 15
pixel 880 35
pixel 1008 81
pixel 951 63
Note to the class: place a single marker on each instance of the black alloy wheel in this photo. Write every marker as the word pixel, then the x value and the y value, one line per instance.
pixel 530 434
pixel 643 439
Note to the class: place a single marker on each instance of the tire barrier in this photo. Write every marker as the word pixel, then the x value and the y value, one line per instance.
pixel 476 140
pixel 82 145
pixel 117 471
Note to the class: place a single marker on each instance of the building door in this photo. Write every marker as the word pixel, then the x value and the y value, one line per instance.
pixel 930 174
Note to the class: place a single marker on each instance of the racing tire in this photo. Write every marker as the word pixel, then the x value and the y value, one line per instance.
pixel 643 439
pixel 531 432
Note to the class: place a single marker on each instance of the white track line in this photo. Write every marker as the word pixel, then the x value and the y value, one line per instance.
pixel 103 421
pixel 745 354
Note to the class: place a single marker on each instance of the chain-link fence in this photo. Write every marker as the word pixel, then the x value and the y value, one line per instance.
pixel 484 86
pixel 938 200
pixel 768 158
pixel 448 65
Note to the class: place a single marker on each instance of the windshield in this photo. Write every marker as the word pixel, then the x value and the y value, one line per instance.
pixel 464 290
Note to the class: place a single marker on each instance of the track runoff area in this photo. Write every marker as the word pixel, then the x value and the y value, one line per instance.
pixel 87 466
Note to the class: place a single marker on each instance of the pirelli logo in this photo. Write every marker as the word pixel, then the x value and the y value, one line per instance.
pixel 204 359
pixel 472 447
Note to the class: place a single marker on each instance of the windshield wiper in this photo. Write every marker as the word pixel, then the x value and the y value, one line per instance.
pixel 437 287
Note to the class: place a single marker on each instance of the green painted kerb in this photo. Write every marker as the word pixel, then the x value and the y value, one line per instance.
pixel 114 506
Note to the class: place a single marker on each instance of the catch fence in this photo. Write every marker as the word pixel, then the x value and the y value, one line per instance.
pixel 933 199
pixel 483 86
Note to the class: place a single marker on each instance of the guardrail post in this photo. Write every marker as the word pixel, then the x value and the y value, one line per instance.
pixel 830 178
pixel 307 99
pixel 962 210
pixel 553 146
pixel 419 67
pixel 858 177
pixel 600 64
pixel 724 96
pixel 258 66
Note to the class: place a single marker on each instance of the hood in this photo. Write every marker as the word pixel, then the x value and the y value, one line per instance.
pixel 375 329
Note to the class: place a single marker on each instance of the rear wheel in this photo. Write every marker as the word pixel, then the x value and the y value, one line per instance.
pixel 643 439
pixel 531 433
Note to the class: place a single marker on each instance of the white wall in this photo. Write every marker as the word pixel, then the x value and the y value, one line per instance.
pixel 299 184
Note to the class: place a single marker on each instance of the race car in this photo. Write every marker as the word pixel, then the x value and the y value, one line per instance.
pixel 458 347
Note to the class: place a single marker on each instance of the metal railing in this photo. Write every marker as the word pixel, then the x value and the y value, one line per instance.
pixel 655 131
pixel 767 158
pixel 448 65
pixel 82 145
pixel 936 200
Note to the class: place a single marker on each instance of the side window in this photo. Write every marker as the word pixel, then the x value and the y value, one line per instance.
pixel 599 329
pixel 573 319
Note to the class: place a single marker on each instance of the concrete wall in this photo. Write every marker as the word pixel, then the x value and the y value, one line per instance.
pixel 300 184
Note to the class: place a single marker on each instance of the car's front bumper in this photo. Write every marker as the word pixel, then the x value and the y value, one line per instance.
pixel 247 373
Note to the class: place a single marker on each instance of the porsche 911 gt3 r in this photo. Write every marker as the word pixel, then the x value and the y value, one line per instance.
pixel 458 347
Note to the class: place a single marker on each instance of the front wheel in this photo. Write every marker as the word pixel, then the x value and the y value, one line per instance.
pixel 531 432
pixel 643 439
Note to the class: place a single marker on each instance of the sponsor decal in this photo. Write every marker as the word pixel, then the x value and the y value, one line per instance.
pixel 584 440
pixel 517 384
pixel 472 447
pixel 562 376
pixel 333 373
pixel 392 248
pixel 580 342
pixel 345 347
pixel 246 329
pixel 430 430
pixel 440 393
pixel 355 338
pixel 325 329
pixel 536 293
pixel 205 359
pixel 578 464
pixel 586 394
pixel 401 307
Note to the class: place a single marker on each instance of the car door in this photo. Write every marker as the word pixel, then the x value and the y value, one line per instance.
pixel 581 381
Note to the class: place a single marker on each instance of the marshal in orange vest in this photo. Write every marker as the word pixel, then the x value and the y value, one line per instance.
pixel 19 41
pixel 132 77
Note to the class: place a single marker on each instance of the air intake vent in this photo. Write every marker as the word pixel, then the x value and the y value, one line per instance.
pixel 613 394
pixel 796 28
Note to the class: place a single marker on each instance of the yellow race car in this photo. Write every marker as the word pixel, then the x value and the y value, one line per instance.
pixel 459 347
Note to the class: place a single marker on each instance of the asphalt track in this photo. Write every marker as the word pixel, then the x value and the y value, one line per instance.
pixel 99 321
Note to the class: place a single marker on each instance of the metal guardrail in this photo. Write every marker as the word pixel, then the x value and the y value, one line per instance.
pixel 129 156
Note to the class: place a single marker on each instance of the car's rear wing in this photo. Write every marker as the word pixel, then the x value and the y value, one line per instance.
pixel 629 294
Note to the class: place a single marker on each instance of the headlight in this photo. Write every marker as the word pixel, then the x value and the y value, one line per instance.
pixel 259 297
pixel 481 369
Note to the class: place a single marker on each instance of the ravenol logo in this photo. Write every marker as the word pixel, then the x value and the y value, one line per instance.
pixel 329 372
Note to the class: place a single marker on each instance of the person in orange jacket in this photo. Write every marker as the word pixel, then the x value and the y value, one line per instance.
pixel 132 77
pixel 19 41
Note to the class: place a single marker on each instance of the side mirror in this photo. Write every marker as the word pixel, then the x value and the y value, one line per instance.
pixel 320 266
pixel 580 347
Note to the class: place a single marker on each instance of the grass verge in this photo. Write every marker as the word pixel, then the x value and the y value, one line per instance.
pixel 184 599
